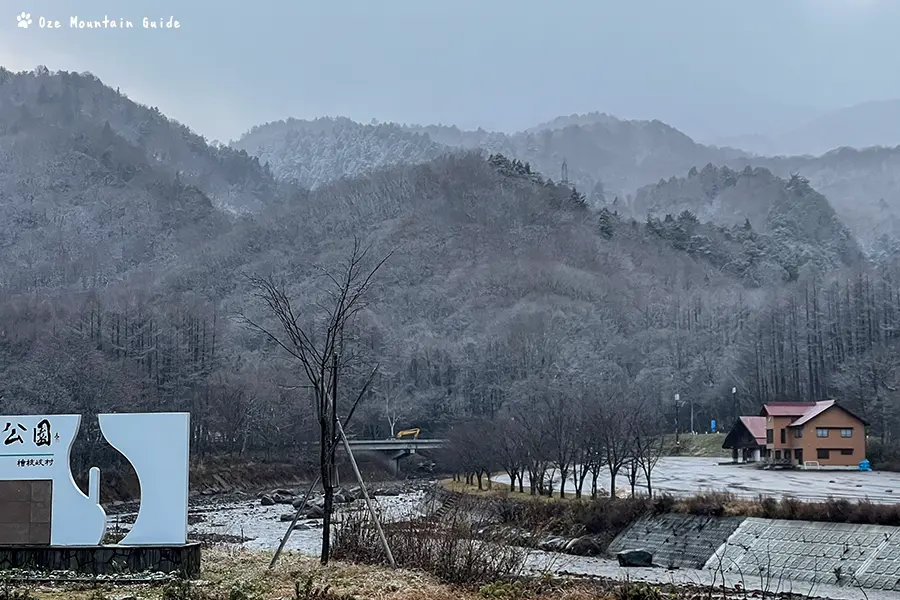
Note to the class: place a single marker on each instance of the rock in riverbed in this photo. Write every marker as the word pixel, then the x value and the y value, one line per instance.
pixel 635 558
pixel 584 546
pixel 315 512
pixel 553 544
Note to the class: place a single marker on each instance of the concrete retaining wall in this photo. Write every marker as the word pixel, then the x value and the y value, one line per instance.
pixel 800 551
pixel 784 554
pixel 685 541
pixel 883 570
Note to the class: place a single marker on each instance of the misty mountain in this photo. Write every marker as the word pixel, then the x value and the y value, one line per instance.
pixel 139 272
pixel 802 228
pixel 486 253
pixel 325 149
pixel 755 144
pixel 605 157
pixel 618 155
pixel 859 126
pixel 68 101
pixel 863 186
pixel 80 205
pixel 126 281
pixel 574 119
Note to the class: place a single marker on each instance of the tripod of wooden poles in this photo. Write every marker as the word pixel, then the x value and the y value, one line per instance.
pixel 365 493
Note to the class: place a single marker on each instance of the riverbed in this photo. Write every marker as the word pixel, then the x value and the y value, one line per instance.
pixel 245 522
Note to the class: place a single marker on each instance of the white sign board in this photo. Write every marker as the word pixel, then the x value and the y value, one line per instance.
pixel 38 447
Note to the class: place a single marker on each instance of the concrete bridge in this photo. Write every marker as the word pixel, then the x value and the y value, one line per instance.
pixel 398 449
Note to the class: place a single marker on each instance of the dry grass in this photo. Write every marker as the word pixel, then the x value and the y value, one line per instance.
pixel 706 445
pixel 243 574
pixel 462 548
pixel 571 516
pixel 237 574
pixel 834 510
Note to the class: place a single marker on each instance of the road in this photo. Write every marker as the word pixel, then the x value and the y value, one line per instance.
pixel 688 476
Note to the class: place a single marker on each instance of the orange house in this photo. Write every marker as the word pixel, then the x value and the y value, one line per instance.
pixel 814 434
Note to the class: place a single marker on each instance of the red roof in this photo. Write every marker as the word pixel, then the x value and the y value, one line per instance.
pixel 757 428
pixel 802 412
pixel 786 409
pixel 812 413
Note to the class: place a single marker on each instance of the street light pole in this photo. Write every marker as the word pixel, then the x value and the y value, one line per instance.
pixel 693 431
pixel 737 412
pixel 677 410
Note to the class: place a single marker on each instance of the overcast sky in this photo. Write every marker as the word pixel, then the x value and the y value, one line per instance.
pixel 709 67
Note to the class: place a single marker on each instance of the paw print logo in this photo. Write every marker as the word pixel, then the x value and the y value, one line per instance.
pixel 24 20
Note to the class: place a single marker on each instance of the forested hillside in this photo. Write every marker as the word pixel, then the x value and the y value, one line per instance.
pixel 574 119
pixel 607 157
pixel 863 186
pixel 317 152
pixel 802 230
pixel 127 286
pixel 69 102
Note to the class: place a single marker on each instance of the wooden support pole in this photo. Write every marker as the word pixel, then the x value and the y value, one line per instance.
pixel 293 524
pixel 362 487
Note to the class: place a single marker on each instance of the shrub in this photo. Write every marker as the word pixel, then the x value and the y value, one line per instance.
pixel 310 591
pixel 460 549
pixel 663 503
pixel 709 504
pixel 503 590
pixel 602 517
pixel 768 508
pixel 637 591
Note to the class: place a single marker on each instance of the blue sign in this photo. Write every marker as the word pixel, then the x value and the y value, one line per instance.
pixel 713 425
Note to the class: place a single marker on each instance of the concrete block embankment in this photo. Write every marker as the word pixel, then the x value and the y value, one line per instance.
pixel 676 540
pixel 841 554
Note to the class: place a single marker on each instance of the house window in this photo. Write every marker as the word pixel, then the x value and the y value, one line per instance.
pixel 822 454
pixel 846 433
pixel 778 455
pixel 798 432
pixel 847 452
pixel 770 436
pixel 822 432
pixel 783 436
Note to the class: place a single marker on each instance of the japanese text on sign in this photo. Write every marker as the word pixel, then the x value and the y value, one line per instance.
pixel 41 436
pixel 35 462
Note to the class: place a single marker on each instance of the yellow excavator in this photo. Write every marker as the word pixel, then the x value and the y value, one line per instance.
pixel 408 432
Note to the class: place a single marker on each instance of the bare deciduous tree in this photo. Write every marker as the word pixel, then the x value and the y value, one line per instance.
pixel 318 343
pixel 647 439
pixel 613 430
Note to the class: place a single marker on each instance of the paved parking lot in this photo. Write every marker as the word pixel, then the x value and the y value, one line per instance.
pixel 691 475
pixel 682 476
